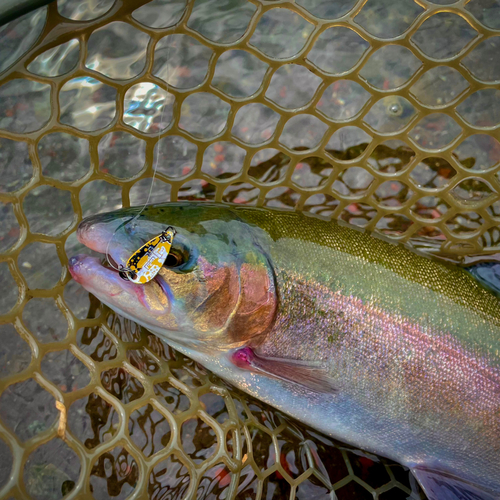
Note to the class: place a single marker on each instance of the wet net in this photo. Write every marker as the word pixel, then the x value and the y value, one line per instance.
pixel 383 117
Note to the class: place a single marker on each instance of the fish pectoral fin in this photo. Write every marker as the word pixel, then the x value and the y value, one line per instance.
pixel 298 372
pixel 439 485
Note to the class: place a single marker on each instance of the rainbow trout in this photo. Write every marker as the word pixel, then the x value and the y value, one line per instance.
pixel 363 340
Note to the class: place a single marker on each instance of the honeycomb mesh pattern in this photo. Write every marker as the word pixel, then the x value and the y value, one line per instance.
pixel 386 118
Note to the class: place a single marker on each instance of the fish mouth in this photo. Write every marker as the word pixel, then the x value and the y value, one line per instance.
pixel 96 234
pixel 83 268
pixel 102 277
pixel 104 235
pixel 146 303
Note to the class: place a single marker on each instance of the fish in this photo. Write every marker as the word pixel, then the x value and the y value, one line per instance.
pixel 364 340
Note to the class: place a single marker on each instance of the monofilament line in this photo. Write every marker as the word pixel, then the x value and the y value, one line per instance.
pixel 155 168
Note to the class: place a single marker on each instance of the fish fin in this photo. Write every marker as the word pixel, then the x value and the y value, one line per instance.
pixel 360 453
pixel 439 485
pixel 297 372
pixel 487 274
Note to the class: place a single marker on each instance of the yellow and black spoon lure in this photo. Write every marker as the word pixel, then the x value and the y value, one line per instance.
pixel 145 263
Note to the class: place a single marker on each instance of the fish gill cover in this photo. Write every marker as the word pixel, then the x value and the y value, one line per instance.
pixel 384 118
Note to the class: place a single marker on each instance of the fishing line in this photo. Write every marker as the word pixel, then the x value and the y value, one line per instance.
pixel 121 268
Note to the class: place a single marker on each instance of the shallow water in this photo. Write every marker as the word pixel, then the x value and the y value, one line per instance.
pixel 289 107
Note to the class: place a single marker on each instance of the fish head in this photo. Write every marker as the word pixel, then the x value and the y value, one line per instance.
pixel 216 288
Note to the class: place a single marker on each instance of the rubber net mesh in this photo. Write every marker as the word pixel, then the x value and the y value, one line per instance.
pixel 382 114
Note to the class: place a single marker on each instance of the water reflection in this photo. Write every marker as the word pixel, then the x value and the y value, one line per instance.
pixel 169 480
pixel 19 35
pixel 114 475
pixel 56 61
pixel 148 108
pixel 87 104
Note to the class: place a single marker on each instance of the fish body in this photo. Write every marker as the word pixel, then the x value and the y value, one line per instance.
pixel 364 340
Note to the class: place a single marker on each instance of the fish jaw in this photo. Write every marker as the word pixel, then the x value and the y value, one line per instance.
pixel 124 296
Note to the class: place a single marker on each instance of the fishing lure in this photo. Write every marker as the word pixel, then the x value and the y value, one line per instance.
pixel 145 263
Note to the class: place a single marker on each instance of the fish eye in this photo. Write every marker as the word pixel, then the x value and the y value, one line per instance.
pixel 182 257
pixel 174 259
